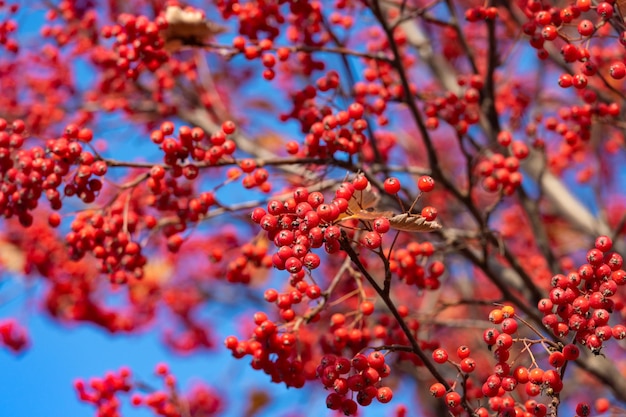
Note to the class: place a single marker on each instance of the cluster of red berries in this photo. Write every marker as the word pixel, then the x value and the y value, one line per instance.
pixel 459 112
pixel 138 44
pixel 501 172
pixel 7 27
pixel 190 144
pixel 583 301
pixel 362 375
pixel 301 223
pixel 252 256
pixel 102 392
pixel 380 79
pixel 546 24
pixel 327 131
pixel 108 238
pixel 340 132
pixel 479 13
pixel 282 355
pixel 29 174
pixel 535 380
pixel 78 22
pixel 169 403
pixel 13 336
pixel 410 264
pixel 260 22
pixel 503 380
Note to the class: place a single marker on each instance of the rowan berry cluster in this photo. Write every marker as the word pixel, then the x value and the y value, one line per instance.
pixel 500 172
pixel 583 301
pixel 302 223
pixel 459 112
pixel 9 26
pixel 103 392
pixel 328 132
pixel 108 238
pixel 580 302
pixel 282 355
pixel 168 402
pixel 13 336
pixel 29 174
pixel 504 381
pixel 361 376
pixel 252 256
pixel 138 45
pixel 412 267
pixel 78 24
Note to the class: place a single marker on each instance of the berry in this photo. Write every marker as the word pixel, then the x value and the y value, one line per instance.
pixel 425 183
pixel 392 185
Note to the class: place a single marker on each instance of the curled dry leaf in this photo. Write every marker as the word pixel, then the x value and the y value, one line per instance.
pixel 187 27
pixel 405 222
pixel 363 200
pixel 413 223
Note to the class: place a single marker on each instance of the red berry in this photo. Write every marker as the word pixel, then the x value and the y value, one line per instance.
pixel 425 183
pixel 437 390
pixel 384 394
pixel 392 185
pixel 440 355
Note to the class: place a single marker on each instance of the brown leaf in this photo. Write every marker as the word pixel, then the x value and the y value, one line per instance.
pixel 12 258
pixel 370 215
pixel 404 222
pixel 621 6
pixel 412 223
pixel 363 200
pixel 187 28
pixel 256 402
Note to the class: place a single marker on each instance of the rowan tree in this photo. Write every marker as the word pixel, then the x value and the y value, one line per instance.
pixel 402 189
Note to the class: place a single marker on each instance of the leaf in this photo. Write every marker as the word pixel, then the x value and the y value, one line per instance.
pixel 412 223
pixel 187 27
pixel 621 6
pixel 363 200
pixel 257 400
pixel 371 215
pixel 404 222
pixel 12 258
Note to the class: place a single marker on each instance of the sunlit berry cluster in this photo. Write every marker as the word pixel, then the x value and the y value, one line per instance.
pixel 30 174
pixel 461 112
pixel 302 223
pixel 108 237
pixel 500 172
pixel 8 26
pixel 258 22
pixel 582 302
pixel 412 266
pixel 282 355
pixel 13 335
pixel 328 131
pixel 138 44
pixel 104 393
pixel 356 381
pixel 508 377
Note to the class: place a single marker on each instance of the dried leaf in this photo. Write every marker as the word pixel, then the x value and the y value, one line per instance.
pixel 621 7
pixel 363 200
pixel 187 27
pixel 371 215
pixel 12 258
pixel 412 223
pixel 257 400
pixel 404 222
